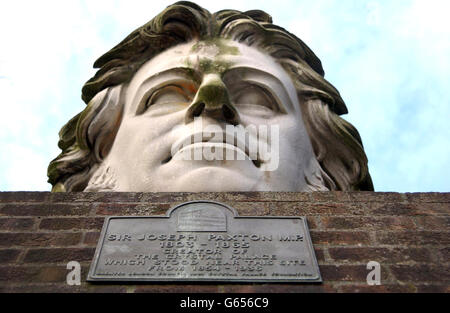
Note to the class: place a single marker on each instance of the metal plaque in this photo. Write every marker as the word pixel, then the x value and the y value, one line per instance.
pixel 205 241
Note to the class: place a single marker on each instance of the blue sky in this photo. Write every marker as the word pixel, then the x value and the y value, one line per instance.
pixel 390 60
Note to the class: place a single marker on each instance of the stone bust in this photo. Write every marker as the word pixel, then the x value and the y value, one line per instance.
pixel 182 83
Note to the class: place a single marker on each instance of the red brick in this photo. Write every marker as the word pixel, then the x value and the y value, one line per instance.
pixel 378 289
pixel 90 197
pixel 132 208
pixel 180 197
pixel 39 239
pixel 179 288
pixel 342 225
pixel 339 237
pixel 44 209
pixel 167 197
pixel 9 255
pixel 394 209
pixel 113 208
pixel 225 197
pixel 408 208
pixel 23 196
pixel 382 255
pixel 59 255
pixel 88 223
pixel 283 196
pixel 279 288
pixel 369 196
pixel 311 221
pixel 444 254
pixel 64 288
pixel 257 196
pixel 413 238
pixel 104 288
pixel 9 223
pixel 433 288
pixel 421 273
pixel 432 208
pixel 368 223
pixel 344 273
pixel 320 255
pixel 91 238
pixel 306 209
pixel 256 208
pixel 433 222
pixel 253 196
pixel 330 196
pixel 34 274
pixel 428 197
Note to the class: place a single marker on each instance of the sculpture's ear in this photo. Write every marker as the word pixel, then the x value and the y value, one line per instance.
pixel 100 122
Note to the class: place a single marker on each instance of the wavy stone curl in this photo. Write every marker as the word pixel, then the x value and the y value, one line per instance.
pixel 87 138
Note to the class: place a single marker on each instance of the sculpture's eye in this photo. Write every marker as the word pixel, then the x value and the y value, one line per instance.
pixel 169 95
pixel 255 98
pixel 168 99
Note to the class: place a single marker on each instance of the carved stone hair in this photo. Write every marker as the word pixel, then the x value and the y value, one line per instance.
pixel 87 138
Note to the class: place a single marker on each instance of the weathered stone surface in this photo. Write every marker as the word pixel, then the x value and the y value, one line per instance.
pixel 227 100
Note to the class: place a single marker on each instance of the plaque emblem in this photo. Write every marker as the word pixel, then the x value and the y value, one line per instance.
pixel 205 241
pixel 202 219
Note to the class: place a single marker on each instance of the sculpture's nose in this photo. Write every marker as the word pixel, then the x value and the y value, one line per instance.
pixel 212 99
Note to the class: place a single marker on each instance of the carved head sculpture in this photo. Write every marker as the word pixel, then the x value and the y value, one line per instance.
pixel 227 69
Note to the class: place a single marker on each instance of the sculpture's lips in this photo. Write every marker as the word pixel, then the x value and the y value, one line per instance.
pixel 193 146
pixel 210 151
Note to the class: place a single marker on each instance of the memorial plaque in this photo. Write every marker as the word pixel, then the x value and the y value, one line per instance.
pixel 205 241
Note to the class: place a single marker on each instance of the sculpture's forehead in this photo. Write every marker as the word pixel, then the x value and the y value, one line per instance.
pixel 214 55
pixel 215 47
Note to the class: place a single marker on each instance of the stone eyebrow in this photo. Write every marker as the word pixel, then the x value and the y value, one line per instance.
pixel 252 70
pixel 184 71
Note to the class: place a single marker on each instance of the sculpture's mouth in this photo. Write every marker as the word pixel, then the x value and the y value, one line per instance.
pixel 215 146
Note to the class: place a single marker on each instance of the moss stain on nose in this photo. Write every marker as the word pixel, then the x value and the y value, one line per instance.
pixel 213 93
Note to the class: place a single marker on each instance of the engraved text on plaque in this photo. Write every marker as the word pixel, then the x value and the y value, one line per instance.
pixel 205 241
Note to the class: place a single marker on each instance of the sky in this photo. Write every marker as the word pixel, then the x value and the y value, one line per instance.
pixel 390 60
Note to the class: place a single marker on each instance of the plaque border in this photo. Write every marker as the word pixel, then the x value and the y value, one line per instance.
pixel 93 278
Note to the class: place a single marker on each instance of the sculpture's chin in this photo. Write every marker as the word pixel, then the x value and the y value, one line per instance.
pixel 215 179
pixel 201 176
pixel 178 175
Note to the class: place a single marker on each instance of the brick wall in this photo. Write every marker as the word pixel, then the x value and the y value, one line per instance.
pixel 408 234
